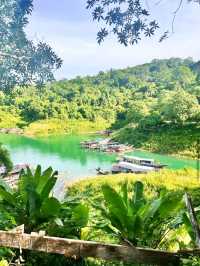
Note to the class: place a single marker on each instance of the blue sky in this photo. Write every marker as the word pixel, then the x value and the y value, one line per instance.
pixel 68 27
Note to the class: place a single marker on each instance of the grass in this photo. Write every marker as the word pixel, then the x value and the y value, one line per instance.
pixel 169 179
pixel 56 127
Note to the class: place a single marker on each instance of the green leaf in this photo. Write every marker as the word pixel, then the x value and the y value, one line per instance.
pixel 7 196
pixel 38 174
pixel 170 204
pixel 50 208
pixel 150 209
pixel 124 189
pixel 26 184
pixel 59 222
pixel 138 197
pixel 28 172
pixel 43 179
pixel 6 186
pixel 80 215
pixel 188 226
pixel 33 201
pixel 115 204
pixel 48 188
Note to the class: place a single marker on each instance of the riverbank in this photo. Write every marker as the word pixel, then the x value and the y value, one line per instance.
pixel 169 140
pixel 56 127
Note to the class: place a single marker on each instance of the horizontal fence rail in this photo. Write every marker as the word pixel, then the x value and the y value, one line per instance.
pixel 78 248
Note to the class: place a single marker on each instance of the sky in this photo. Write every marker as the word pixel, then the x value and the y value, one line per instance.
pixel 68 27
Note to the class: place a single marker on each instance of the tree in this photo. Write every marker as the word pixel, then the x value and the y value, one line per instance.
pixel 138 111
pixel 129 20
pixel 21 61
pixel 178 106
pixel 5 159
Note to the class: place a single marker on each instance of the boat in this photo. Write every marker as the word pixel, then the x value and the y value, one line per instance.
pixel 106 145
pixel 94 144
pixel 117 148
pixel 104 132
pixel 89 144
pixel 102 172
pixel 126 167
pixel 142 161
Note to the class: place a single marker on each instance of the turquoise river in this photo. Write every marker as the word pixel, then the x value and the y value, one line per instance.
pixel 64 154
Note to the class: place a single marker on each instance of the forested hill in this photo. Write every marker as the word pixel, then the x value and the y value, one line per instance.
pixel 162 92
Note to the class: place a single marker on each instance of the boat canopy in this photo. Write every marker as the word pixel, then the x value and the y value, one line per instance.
pixel 133 167
pixel 134 158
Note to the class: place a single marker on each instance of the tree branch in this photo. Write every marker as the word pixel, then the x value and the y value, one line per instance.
pixel 175 14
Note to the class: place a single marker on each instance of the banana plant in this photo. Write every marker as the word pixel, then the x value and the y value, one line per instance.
pixel 136 219
pixel 34 205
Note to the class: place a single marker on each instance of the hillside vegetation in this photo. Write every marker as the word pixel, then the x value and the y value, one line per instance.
pixel 153 106
pixel 90 191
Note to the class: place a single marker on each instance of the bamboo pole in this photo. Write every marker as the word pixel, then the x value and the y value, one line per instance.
pixel 193 218
pixel 77 248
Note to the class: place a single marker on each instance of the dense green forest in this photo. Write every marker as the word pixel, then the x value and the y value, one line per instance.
pixel 162 96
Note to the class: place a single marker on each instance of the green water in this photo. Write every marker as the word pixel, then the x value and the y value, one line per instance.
pixel 63 153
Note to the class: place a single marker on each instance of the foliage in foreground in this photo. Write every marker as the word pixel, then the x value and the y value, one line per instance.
pixel 34 205
pixel 122 207
pixel 150 215
pixel 137 220
pixel 91 191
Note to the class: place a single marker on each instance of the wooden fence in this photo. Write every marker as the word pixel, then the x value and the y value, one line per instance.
pixel 82 249
pixel 76 249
